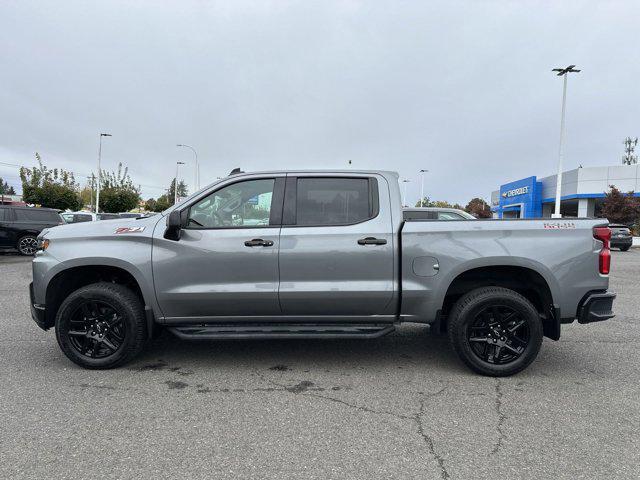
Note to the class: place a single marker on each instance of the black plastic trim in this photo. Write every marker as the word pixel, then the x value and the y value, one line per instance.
pixel 262 331
pixel 596 307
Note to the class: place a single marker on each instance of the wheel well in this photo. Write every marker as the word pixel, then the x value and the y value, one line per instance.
pixel 72 279
pixel 528 283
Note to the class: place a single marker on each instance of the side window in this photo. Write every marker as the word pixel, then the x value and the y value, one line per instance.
pixel 3 215
pixel 333 201
pixel 77 218
pixel 449 216
pixel 37 215
pixel 242 204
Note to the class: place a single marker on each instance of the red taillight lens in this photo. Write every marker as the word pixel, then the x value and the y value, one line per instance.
pixel 604 258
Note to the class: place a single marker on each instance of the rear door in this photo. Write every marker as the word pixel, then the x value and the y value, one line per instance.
pixel 336 247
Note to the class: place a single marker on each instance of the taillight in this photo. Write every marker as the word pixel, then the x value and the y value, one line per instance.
pixel 604 258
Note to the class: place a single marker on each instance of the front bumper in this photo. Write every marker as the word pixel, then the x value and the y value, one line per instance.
pixel 37 311
pixel 596 307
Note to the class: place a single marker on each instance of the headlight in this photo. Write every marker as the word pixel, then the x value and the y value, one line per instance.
pixel 43 244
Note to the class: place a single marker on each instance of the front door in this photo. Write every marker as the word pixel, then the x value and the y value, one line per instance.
pixel 226 262
pixel 336 247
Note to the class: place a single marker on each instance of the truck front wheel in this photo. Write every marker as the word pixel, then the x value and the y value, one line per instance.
pixel 495 331
pixel 101 325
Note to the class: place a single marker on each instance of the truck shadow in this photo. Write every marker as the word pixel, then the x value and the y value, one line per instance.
pixel 409 345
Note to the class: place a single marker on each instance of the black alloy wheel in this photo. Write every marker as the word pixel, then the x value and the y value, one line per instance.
pixel 498 334
pixel 495 331
pixel 96 329
pixel 101 325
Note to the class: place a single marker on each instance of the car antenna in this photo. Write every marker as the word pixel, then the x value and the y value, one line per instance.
pixel 235 171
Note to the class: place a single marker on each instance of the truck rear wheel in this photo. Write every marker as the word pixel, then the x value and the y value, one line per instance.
pixel 495 331
pixel 101 326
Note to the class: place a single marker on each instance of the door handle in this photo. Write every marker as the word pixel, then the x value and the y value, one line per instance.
pixel 258 242
pixel 372 241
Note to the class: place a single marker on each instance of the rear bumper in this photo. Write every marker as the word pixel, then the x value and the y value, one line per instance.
pixel 596 307
pixel 37 311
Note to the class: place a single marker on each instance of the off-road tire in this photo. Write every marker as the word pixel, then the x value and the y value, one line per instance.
pixel 471 306
pixel 128 307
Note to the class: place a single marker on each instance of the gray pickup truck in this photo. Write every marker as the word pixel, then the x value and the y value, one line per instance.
pixel 317 254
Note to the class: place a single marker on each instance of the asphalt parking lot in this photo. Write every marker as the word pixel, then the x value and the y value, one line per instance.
pixel 401 406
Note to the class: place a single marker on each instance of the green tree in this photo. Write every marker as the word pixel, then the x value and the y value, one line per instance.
pixel 478 208
pixel 182 190
pixel 427 202
pixel 117 191
pixel 55 188
pixel 162 203
pixel 5 188
pixel 150 205
pixel 619 207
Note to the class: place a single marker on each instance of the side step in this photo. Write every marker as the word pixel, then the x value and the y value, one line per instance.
pixel 248 331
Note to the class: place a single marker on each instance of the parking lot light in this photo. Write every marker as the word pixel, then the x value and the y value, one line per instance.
pixel 99 172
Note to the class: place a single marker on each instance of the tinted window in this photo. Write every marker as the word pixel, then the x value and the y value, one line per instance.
pixel 449 216
pixel 108 216
pixel 242 204
pixel 332 201
pixel 79 217
pixel 37 215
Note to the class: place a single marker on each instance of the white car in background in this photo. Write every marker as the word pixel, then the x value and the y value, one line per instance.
pixel 436 213
pixel 78 217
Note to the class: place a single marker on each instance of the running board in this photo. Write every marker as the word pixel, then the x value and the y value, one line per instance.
pixel 244 331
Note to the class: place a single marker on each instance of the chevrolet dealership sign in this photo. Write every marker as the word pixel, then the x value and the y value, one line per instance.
pixel 515 192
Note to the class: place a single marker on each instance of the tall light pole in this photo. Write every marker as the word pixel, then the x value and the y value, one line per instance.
pixel 197 179
pixel 100 171
pixel 404 192
pixel 175 185
pixel 562 72
pixel 422 172
pixel 92 179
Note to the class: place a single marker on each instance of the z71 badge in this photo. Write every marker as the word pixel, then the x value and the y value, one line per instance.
pixel 129 230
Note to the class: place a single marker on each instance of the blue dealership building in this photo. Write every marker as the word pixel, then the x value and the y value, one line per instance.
pixel 583 190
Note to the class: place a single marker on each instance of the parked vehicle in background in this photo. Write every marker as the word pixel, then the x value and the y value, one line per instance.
pixel 318 254
pixel 20 226
pixel 78 217
pixel 108 216
pixel 436 213
pixel 621 237
pixel 131 215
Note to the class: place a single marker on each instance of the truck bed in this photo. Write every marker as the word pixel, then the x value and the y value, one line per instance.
pixel 434 253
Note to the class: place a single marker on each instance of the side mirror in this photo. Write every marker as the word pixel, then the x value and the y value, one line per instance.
pixel 175 222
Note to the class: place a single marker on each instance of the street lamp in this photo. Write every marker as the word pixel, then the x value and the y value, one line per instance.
pixel 404 194
pixel 562 72
pixel 422 172
pixel 175 185
pixel 197 179
pixel 99 171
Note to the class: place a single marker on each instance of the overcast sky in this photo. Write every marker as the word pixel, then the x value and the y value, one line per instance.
pixel 464 89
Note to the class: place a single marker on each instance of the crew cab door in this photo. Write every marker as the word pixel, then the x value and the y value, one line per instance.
pixel 336 247
pixel 225 263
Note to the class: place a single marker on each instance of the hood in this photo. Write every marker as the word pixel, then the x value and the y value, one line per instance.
pixel 102 228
